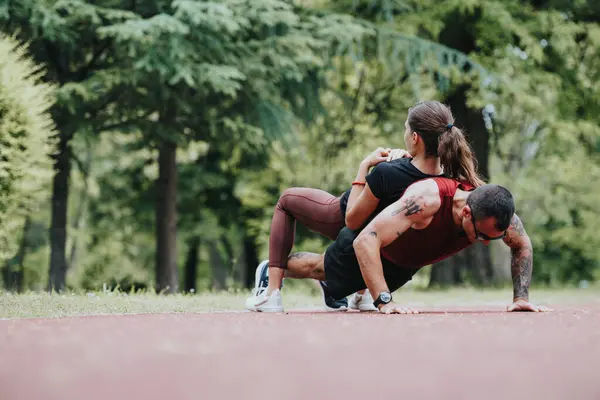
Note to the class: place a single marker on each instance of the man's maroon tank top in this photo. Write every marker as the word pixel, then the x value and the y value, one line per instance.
pixel 441 239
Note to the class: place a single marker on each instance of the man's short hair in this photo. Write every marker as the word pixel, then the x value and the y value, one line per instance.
pixel 492 201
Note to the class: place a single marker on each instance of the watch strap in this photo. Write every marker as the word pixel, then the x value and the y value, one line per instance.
pixel 379 300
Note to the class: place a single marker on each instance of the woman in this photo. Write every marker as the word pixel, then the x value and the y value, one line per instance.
pixel 436 147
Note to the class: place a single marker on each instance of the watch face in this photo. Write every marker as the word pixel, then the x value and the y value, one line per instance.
pixel 385 297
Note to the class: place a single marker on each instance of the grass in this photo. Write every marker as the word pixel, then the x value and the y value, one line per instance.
pixel 30 305
pixel 102 303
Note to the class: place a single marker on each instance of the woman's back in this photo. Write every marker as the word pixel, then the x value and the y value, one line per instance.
pixel 388 181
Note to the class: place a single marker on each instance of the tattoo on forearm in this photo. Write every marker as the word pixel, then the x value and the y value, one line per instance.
pixel 521 257
pixel 521 268
pixel 298 255
pixel 410 206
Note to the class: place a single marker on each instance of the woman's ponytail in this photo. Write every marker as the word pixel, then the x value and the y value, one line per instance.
pixel 433 122
pixel 457 158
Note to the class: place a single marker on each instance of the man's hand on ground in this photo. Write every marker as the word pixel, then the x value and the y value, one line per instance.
pixel 524 305
pixel 393 308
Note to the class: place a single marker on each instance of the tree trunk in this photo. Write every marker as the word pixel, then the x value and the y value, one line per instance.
pixel 80 214
pixel 230 258
pixel 228 250
pixel 250 261
pixel 75 246
pixel 476 260
pixel 13 269
pixel 166 219
pixel 191 264
pixel 58 225
pixel 218 268
pixel 471 121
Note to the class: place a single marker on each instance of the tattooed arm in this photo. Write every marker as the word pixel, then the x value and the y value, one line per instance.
pixel 415 208
pixel 521 266
pixel 521 263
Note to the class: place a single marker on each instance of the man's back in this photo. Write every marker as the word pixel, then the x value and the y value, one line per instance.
pixel 416 248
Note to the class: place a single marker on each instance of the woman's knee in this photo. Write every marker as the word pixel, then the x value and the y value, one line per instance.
pixel 285 197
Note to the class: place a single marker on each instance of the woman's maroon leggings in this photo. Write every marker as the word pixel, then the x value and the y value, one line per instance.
pixel 316 209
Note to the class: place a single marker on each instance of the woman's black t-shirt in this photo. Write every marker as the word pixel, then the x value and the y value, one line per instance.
pixel 388 181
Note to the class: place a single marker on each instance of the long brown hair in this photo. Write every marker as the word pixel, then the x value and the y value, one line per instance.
pixel 434 123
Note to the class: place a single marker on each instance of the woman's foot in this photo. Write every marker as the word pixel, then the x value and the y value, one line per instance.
pixel 260 301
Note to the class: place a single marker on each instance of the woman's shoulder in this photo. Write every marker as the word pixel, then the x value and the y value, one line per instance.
pixel 397 166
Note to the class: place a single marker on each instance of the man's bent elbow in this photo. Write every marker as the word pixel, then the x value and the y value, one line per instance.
pixel 365 240
pixel 524 248
pixel 525 243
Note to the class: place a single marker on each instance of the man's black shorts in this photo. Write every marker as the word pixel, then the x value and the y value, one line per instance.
pixel 342 270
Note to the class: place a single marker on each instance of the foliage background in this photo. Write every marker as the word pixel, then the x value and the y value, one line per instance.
pixel 231 102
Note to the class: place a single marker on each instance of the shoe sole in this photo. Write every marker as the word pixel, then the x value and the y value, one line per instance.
pixel 265 309
pixel 270 309
pixel 329 309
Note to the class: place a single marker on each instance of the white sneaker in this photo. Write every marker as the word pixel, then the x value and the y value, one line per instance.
pixel 362 302
pixel 261 302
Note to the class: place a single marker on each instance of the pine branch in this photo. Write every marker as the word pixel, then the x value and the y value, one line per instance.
pixel 361 84
pixel 83 73
pixel 125 124
pixel 80 165
pixel 52 54
pixel 353 116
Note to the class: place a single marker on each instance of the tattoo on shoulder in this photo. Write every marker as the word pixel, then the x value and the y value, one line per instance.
pixel 373 233
pixel 515 231
pixel 517 225
pixel 410 207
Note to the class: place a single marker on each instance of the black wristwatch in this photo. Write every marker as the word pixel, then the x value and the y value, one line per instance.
pixel 383 298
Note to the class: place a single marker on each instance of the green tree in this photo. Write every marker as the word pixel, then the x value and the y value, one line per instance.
pixel 543 57
pixel 63 36
pixel 241 70
pixel 547 144
pixel 26 129
pixel 432 49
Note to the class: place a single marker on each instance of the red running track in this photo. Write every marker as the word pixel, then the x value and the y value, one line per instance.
pixel 304 355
